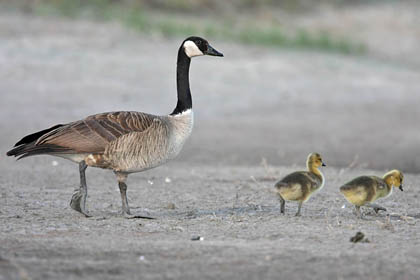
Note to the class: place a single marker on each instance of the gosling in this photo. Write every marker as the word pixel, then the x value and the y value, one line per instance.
pixel 364 190
pixel 300 185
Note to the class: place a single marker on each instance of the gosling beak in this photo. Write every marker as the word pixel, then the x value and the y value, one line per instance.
pixel 401 188
pixel 323 164
pixel 213 52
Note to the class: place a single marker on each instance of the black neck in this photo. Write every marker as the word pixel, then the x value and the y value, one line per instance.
pixel 183 83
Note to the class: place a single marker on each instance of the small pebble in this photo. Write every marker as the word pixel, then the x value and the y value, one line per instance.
pixel 168 180
pixel 54 163
pixel 359 237
pixel 171 206
pixel 197 238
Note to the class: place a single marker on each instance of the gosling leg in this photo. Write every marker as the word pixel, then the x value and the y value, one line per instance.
pixel 299 207
pixel 78 200
pixel 358 212
pixel 121 177
pixel 282 203
pixel 375 207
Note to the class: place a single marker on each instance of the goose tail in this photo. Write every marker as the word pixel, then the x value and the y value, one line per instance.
pixel 27 146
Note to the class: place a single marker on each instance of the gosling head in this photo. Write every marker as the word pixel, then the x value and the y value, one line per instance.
pixel 314 161
pixel 394 178
pixel 196 46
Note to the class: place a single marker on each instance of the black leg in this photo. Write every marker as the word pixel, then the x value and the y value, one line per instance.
pixel 299 207
pixel 123 191
pixel 78 200
pixel 282 203
pixel 358 212
pixel 122 177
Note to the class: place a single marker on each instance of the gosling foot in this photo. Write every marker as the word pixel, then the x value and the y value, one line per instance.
pixel 375 207
pixel 379 208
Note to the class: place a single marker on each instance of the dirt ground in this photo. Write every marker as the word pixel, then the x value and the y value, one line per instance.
pixel 258 113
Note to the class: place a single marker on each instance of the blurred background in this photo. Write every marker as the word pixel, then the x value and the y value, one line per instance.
pixel 337 77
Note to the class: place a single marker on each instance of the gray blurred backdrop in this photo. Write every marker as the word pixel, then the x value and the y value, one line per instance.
pixel 337 77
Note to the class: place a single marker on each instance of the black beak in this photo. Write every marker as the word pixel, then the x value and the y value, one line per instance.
pixel 401 188
pixel 323 164
pixel 211 51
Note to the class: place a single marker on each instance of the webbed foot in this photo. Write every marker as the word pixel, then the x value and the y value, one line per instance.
pixel 78 201
pixel 375 207
pixel 379 208
pixel 133 216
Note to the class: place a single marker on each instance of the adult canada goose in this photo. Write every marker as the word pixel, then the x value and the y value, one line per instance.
pixel 364 190
pixel 125 142
pixel 300 185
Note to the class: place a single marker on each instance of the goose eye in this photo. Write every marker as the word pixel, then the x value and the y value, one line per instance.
pixel 199 42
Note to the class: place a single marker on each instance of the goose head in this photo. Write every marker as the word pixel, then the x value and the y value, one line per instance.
pixel 394 178
pixel 314 161
pixel 196 46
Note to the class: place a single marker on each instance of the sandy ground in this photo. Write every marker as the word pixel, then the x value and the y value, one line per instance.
pixel 254 105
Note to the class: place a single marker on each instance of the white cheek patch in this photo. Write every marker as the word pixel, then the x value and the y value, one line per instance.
pixel 191 49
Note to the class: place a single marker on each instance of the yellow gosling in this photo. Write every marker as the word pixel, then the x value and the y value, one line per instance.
pixel 364 190
pixel 300 185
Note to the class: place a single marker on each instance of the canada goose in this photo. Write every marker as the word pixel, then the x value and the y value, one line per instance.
pixel 364 190
pixel 125 142
pixel 300 185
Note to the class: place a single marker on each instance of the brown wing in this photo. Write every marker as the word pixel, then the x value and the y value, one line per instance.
pixel 94 133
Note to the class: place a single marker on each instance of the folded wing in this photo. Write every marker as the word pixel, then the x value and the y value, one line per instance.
pixel 90 135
